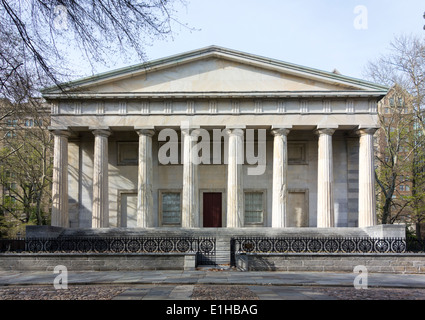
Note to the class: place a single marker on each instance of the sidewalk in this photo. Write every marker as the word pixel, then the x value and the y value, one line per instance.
pixel 214 277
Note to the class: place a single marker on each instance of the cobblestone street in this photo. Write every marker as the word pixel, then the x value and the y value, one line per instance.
pixel 205 292
pixel 209 285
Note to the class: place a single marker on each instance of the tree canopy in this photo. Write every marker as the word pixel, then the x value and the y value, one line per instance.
pixel 37 36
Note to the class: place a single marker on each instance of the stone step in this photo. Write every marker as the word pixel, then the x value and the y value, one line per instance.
pixel 216 232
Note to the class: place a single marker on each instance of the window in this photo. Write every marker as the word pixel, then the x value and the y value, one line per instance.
pixel 12 123
pixel 297 152
pixel 128 153
pixel 11 134
pixel 254 208
pixel 404 187
pixel 29 123
pixel 170 208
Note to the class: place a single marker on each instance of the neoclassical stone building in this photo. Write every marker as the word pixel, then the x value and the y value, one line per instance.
pixel 283 145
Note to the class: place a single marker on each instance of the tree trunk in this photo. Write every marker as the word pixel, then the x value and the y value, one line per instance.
pixel 418 230
pixel 386 211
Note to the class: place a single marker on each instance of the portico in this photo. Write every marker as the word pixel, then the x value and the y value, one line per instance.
pixel 281 145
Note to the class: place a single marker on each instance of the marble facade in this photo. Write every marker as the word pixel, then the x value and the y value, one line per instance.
pixel 319 169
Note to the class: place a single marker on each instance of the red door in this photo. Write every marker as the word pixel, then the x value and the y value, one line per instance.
pixel 212 209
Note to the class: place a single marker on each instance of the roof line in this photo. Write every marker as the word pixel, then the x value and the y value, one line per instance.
pixel 146 66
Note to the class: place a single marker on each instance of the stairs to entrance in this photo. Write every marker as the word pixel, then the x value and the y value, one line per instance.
pixel 222 254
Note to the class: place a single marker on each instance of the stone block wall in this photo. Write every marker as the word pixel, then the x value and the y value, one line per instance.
pixel 375 263
pixel 96 261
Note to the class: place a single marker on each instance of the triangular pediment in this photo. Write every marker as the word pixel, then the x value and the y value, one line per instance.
pixel 213 70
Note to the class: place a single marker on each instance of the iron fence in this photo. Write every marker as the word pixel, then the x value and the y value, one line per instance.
pixel 206 253
pixel 204 248
pixel 12 245
pixel 319 245
pixel 415 245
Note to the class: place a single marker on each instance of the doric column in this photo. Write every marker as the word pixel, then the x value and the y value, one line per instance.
pixel 280 168
pixel 190 206
pixel 325 202
pixel 60 179
pixel 235 199
pixel 145 179
pixel 367 209
pixel 100 213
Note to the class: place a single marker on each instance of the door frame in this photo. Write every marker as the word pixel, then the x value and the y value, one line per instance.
pixel 306 201
pixel 122 192
pixel 223 205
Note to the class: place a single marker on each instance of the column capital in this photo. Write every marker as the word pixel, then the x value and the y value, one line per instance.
pixel 60 132
pixel 101 132
pixel 234 131
pixel 362 131
pixel 326 131
pixel 280 131
pixel 145 132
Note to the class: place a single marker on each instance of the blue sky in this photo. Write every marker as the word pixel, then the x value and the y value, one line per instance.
pixel 315 33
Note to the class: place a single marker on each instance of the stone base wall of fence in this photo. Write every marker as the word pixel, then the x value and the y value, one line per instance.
pixel 75 262
pixel 332 262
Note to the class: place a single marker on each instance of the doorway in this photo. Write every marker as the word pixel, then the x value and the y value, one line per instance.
pixel 297 215
pixel 128 205
pixel 212 209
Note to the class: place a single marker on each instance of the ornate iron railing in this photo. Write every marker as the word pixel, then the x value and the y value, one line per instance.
pixel 12 245
pixel 120 245
pixel 415 245
pixel 318 245
pixel 204 247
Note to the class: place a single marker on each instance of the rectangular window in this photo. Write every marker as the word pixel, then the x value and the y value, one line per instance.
pixel 170 208
pixel 29 123
pixel 12 123
pixel 254 208
pixel 297 152
pixel 11 134
pixel 128 153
